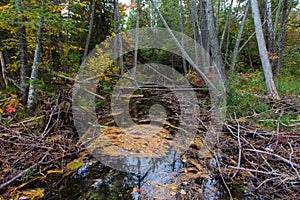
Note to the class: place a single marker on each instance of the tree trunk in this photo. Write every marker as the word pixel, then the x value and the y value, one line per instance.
pixel 182 32
pixel 34 71
pixel 116 29
pixel 238 40
pixel 269 25
pixel 88 38
pixel 3 70
pixel 137 27
pixel 277 19
pixel 204 32
pixel 271 88
pixel 195 67
pixel 215 48
pixel 24 69
pixel 118 38
pixel 285 14
pixel 196 29
pixel 226 23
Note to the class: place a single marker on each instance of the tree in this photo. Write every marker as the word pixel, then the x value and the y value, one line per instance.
pixel 213 37
pixel 182 32
pixel 118 39
pixel 88 38
pixel 136 37
pixel 271 88
pixel 238 40
pixel 34 71
pixel 24 70
pixel 285 13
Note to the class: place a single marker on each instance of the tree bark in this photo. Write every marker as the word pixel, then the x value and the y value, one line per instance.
pixel 195 67
pixel 182 32
pixel 118 38
pixel 271 88
pixel 215 48
pixel 34 71
pixel 137 27
pixel 269 25
pixel 3 70
pixel 116 29
pixel 88 38
pixel 285 14
pixel 24 69
pixel 204 32
pixel 238 40
pixel 226 23
pixel 277 18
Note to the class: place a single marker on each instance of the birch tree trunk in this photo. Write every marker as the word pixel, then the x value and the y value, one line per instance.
pixel 215 48
pixel 271 88
pixel 24 69
pixel 238 40
pixel 34 71
pixel 88 38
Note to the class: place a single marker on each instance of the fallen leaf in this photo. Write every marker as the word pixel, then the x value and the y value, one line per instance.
pixel 10 109
pixel 173 187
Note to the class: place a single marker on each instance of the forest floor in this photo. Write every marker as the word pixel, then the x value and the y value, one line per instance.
pixel 258 156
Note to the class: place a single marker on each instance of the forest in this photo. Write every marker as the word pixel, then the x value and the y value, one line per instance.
pixel 149 99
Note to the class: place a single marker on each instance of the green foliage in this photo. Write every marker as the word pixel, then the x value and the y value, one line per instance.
pixel 288 81
pixel 245 94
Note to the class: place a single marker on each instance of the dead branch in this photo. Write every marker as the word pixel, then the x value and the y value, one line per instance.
pixel 277 156
pixel 22 173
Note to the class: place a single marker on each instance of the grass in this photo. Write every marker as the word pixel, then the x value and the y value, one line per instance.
pixel 247 98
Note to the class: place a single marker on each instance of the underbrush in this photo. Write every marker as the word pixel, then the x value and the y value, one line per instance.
pixel 249 102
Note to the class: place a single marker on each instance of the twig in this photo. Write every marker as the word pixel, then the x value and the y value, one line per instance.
pixel 277 156
pixel 240 144
pixel 46 130
pixel 269 179
pixel 223 180
pixel 258 171
pixel 290 157
pixel 22 173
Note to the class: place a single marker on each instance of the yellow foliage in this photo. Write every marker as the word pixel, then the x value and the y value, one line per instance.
pixel 33 194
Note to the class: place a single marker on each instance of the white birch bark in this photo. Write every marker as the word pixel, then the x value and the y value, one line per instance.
pixel 34 71
pixel 271 88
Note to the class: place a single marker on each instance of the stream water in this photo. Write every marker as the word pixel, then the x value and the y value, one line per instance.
pixel 95 181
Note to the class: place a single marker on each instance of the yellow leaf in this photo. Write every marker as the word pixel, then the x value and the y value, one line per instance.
pixel 148 182
pixel 173 187
pixel 1 111
pixel 182 192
